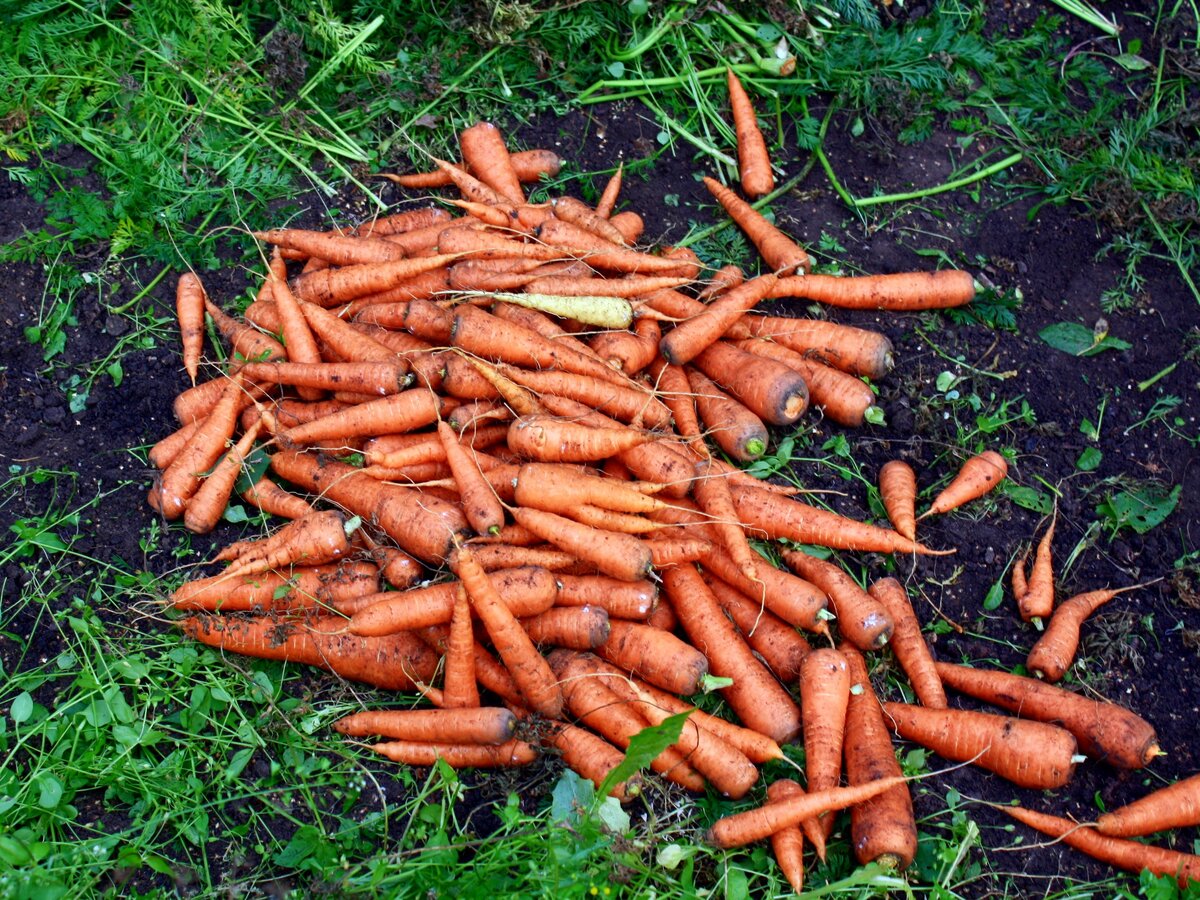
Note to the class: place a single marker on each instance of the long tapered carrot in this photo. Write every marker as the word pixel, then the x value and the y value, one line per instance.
pixel 480 503
pixel 752 825
pixel 206 506
pixel 1036 602
pixel 626 403
pixel 711 491
pixel 1132 856
pixel 555 439
pixel 246 342
pixel 458 756
pixel 788 843
pixel 754 162
pixel 688 339
pixel 1104 730
pixel 398 412
pixel 978 475
pixel 611 192
pixel 340 250
pixel 527 666
pixel 1174 806
pixel 824 695
pixel 795 600
pixel 618 555
pixel 329 287
pixel 908 644
pixel 861 618
pixel 772 390
pixel 1029 754
pixel 898 491
pixel 903 292
pixel 271 498
pixel 483 725
pixel 306 587
pixel 783 255
pixel 757 698
pixel 856 351
pixel 375 378
pixel 1055 650
pixel 655 656
pixel 190 299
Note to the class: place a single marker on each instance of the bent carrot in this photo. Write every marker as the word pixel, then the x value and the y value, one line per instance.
pixel 1036 602
pixel 190 299
pixel 978 475
pixel 754 162
pixel 908 644
pixel 1174 806
pixel 1055 650
pixel 484 725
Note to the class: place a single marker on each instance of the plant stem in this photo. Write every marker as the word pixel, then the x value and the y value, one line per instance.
pixel 991 170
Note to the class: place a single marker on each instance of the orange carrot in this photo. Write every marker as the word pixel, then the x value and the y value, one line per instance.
pixel 843 398
pixel 1029 754
pixel 779 645
pixel 780 252
pixel 340 339
pixel 196 403
pixel 734 428
pixel 712 495
pixel 627 403
pixel 1037 600
pixel 1104 730
pixel 1175 806
pixel 317 538
pixel 1132 856
pixel 619 555
pixel 883 829
pixel 629 351
pixel 632 600
pixel 752 825
pixel 1055 650
pixel 592 757
pixel 757 698
pixel 855 351
pixel 555 439
pixel 164 452
pixel 488 159
pixel 824 695
pixel 479 502
pixel 768 388
pixel 400 223
pixel 190 298
pixel 472 188
pixel 329 287
pixel 398 412
pixel 530 165
pixel 754 162
pixel 861 618
pixel 655 656
pixel 246 343
pixel 795 600
pixel 684 342
pixel 672 386
pixel 340 250
pixel 612 190
pixel 788 843
pixel 578 213
pixel 485 725
pixel 398 568
pixel 298 588
pixel 1020 583
pixel 504 556
pixel 908 644
pixel 978 475
pixel 898 491
pixel 677 549
pixel 205 508
pixel 577 627
pixel 904 292
pixel 459 756
pixel 566 238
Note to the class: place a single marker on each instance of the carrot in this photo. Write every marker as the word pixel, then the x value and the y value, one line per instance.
pixel 612 190
pixel 420 524
pixel 486 156
pixel 754 162
pixel 779 645
pixel 329 287
pixel 712 496
pixel 788 843
pixel 196 403
pixel 655 656
pixel 770 389
pixel 1020 583
pixel 578 213
pixel 1037 600
pixel 530 165
pixel 752 825
pixel 1132 856
pixel 629 351
pixel 883 829
pixel 632 600
pixel 592 757
pixel 163 453
pixel 479 502
pixel 1029 754
pixel 908 644
pixel 1055 650
pixel 978 475
pixel 824 695
pixel 341 339
pixel 472 188
pixel 205 508
pixel 471 415
pixel 298 338
pixel 501 216
pixel 190 299
pixel 734 428
pixel 757 698
pixel 397 412
pixel 394 662
pixel 619 555
pixel 566 238
pixel 780 252
pixel 678 549
pixel 855 351
pixel 627 403
pixel 672 386
pixel 317 538
pixel 554 439
pixel 795 600
pixel 525 591
pixel 577 628
pixel 862 619
pixel 374 378
pixel 898 491
pixel 1175 806
pixel 903 292
pixel 398 568
pixel 402 222
pixel 503 556
pixel 338 249
pixel 684 342
pixel 246 343
pixel 1104 730
pixel 297 588
pixel 843 398
pixel 492 274
pixel 486 725
pixel 459 756
pixel 782 517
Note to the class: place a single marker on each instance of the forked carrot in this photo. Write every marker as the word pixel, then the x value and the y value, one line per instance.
pixel 978 475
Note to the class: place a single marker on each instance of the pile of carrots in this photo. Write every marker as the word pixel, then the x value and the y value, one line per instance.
pixel 491 436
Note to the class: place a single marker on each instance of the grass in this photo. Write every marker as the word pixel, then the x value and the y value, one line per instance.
pixel 136 763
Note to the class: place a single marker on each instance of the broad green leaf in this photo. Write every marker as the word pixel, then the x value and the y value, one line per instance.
pixel 995 596
pixel 644 747
pixel 1089 460
pixel 1079 340
pixel 1141 510
pixel 22 707
pixel 1029 498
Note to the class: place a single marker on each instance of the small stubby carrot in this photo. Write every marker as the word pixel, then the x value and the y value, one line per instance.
pixel 482 725
pixel 399 569
pixel 574 627
pixel 1055 650
pixel 205 508
pixel 302 587
pixel 903 292
pixel 856 351
pixel 189 311
pixel 1036 602
pixel 688 339
pixel 734 428
pixel 908 644
pixel 459 756
pixel 824 695
pixel 770 389
pixel 861 618
pixel 978 475
pixel 1105 731
pixel 783 255
pixel 883 829
pixel 1027 753
pixel 752 825
pixel 778 516
pixel 779 644
pixel 788 843
pixel 1174 806
pixel 843 398
pixel 756 696
pixel 754 162
pixel 618 555
pixel 1132 856
pixel 530 165
pixel 655 656
pixel 527 666
pixel 898 491
pixel 612 191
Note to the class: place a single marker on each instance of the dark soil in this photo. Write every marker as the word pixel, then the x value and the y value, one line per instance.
pixel 1142 650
